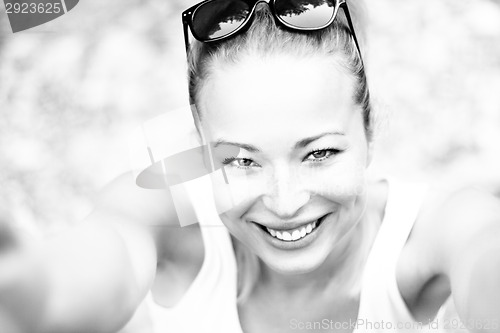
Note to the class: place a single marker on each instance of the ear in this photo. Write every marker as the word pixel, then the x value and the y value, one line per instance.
pixel 200 135
pixel 370 153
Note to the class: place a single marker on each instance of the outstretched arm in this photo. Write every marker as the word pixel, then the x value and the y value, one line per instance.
pixel 90 278
pixel 472 246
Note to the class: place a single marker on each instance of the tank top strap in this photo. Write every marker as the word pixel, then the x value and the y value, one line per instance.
pixel 209 304
pixel 381 302
pixel 401 211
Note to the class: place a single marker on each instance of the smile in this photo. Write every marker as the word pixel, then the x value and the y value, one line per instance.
pixel 296 234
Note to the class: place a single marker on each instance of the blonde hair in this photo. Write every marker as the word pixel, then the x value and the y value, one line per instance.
pixel 264 38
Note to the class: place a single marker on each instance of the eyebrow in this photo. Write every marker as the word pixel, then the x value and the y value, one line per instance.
pixel 300 144
pixel 305 142
pixel 249 148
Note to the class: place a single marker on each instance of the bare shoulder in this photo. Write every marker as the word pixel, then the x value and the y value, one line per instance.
pixel 179 250
pixel 124 197
pixel 452 218
pixel 452 221
pixel 152 211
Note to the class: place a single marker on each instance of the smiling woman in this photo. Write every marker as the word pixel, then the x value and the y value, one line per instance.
pixel 297 106
pixel 291 151
pixel 306 224
pixel 297 236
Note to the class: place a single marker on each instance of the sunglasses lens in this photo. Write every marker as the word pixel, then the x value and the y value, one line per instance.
pixel 306 14
pixel 219 18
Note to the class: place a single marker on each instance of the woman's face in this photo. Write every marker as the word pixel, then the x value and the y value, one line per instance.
pixel 294 151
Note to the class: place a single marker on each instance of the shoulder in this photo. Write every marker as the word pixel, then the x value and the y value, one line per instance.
pixel 164 255
pixel 123 197
pixel 151 210
pixel 453 220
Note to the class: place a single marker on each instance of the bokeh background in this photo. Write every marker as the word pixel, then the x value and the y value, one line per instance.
pixel 72 90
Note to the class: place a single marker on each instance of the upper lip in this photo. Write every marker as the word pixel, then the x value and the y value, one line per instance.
pixel 284 226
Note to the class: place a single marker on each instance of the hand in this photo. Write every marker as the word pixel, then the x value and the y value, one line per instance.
pixel 7 235
pixel 20 293
pixel 11 249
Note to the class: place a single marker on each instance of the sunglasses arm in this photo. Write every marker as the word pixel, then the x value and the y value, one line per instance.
pixel 186 36
pixel 351 26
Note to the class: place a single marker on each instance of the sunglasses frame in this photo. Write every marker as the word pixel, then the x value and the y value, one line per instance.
pixel 188 14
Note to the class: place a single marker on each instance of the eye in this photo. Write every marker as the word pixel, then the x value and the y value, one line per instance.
pixel 321 154
pixel 242 163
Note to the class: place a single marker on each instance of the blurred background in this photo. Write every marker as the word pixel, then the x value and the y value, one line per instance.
pixel 72 90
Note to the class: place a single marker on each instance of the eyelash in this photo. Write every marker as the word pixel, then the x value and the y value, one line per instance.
pixel 332 151
pixel 229 160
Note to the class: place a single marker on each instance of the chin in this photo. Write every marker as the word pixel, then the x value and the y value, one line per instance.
pixel 301 264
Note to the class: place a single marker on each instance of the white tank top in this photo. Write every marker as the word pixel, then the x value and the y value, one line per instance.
pixel 209 305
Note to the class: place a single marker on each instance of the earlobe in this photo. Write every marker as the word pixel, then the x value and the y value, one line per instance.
pixel 369 154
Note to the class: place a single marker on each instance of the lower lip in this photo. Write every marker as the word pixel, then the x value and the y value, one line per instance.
pixel 293 245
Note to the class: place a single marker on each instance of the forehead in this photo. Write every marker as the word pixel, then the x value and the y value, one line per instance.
pixel 277 97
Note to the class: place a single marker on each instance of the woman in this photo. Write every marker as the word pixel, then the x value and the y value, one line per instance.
pixel 310 243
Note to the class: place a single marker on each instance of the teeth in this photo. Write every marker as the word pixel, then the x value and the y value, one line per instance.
pixel 293 235
pixel 272 232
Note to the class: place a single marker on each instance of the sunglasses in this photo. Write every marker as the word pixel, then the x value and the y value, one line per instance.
pixel 217 20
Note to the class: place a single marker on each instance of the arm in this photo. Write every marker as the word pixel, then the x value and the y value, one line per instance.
pixel 471 234
pixel 92 277
pixel 97 274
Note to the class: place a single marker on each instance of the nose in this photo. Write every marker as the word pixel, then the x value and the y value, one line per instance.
pixel 286 195
pixel 262 5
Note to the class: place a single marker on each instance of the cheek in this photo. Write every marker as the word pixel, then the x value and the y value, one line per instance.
pixel 343 181
pixel 236 191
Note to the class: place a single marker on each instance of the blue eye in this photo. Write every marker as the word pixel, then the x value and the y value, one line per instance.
pixel 321 154
pixel 242 163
